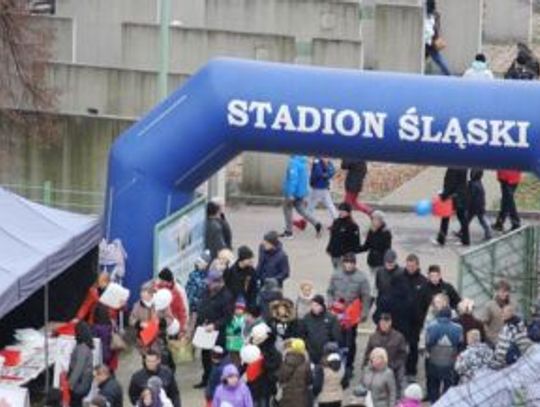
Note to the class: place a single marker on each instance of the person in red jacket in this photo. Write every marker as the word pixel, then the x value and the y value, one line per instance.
pixel 87 308
pixel 509 180
pixel 179 308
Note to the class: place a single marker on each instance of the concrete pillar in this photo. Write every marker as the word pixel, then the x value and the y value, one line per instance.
pixel 262 174
pixel 508 21
pixel 217 185
pixel 461 28
pixel 399 36
pixel 367 24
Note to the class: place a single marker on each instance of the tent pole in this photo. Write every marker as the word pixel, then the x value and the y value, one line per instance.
pixel 46 333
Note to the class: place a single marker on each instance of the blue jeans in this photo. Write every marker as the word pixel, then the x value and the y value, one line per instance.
pixel 439 60
pixel 439 380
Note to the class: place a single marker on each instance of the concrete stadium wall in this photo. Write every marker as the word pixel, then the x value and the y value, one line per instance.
pixel 262 173
pixel 300 18
pixel 508 21
pixel 112 91
pixel 461 28
pixel 61 30
pixel 399 36
pixel 76 159
pixel 337 53
pixel 192 47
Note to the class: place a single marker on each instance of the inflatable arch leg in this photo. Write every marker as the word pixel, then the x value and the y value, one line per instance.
pixel 231 106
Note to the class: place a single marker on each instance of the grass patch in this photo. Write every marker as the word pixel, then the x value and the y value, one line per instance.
pixel 528 194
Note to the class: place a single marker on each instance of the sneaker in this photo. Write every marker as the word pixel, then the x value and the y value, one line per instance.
pixel 497 226
pixel 318 229
pixel 437 242
pixel 200 385
pixel 287 235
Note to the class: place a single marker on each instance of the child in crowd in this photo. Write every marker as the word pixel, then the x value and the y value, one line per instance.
pixel 234 331
pixel 413 396
pixel 196 284
pixel 328 378
pixel 303 302
pixel 232 392
pixel 219 361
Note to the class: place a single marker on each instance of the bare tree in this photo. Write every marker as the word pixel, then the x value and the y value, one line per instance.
pixel 24 51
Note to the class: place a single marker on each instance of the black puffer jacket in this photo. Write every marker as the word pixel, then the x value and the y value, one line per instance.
pixel 377 244
pixel 139 381
pixel 356 173
pixel 112 392
pixel 216 309
pixel 344 237
pixel 317 331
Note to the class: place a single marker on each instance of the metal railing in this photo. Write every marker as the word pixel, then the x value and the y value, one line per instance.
pixel 83 201
pixel 513 257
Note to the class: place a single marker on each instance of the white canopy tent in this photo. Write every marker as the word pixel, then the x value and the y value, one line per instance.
pixel 38 243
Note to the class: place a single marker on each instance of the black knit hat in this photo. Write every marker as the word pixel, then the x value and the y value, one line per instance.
pixel 272 237
pixel 166 275
pixel 244 253
pixel 319 299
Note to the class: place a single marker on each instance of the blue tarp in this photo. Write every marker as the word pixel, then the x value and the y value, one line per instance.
pixel 38 243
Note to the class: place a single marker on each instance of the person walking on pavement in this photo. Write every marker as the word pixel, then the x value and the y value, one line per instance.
pixel 295 191
pixel 509 181
pixel 455 188
pixel 477 202
pixel 354 183
pixel 432 37
pixel 322 172
pixel 344 235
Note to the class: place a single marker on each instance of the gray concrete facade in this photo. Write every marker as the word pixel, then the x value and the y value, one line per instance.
pixel 110 91
pixel 508 21
pixel 262 173
pixel 192 47
pixel 61 30
pixel 461 28
pixel 337 53
pixel 399 36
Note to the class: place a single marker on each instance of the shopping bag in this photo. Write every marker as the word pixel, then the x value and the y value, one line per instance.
pixel 150 333
pixel 443 209
pixel 181 350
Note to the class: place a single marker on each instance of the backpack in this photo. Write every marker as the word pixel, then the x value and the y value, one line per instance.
pixel 512 354
pixel 533 331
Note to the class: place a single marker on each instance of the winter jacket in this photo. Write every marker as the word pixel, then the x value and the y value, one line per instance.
pixel 273 264
pixel 344 237
pixel 227 396
pixel 321 173
pixel 455 186
pixel 395 345
pixel 265 385
pixel 295 184
pixel 476 357
pixel 303 305
pixel 514 332
pixel 511 177
pixel 431 290
pixel 139 381
pixel 214 379
pixel 80 373
pixel 139 314
pixel 349 287
pixel 227 231
pixel 443 339
pixel 384 279
pixel 242 282
pixel 283 320
pixel 377 244
pixel 492 318
pixel 327 379
pixel 478 70
pixel 269 293
pixel 178 306
pixel 295 379
pixel 476 194
pixel 112 392
pixel 317 331
pixel 468 322
pixel 406 402
pixel 356 173
pixel 217 309
pixel 195 288
pixel 408 307
pixel 382 385
pixel 234 333
pixel 214 236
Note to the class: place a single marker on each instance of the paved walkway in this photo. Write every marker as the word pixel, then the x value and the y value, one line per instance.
pixel 430 181
pixel 309 262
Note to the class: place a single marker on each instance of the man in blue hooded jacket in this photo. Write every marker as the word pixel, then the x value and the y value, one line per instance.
pixel 295 191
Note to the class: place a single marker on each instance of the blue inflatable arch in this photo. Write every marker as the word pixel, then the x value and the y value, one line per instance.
pixel 231 106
